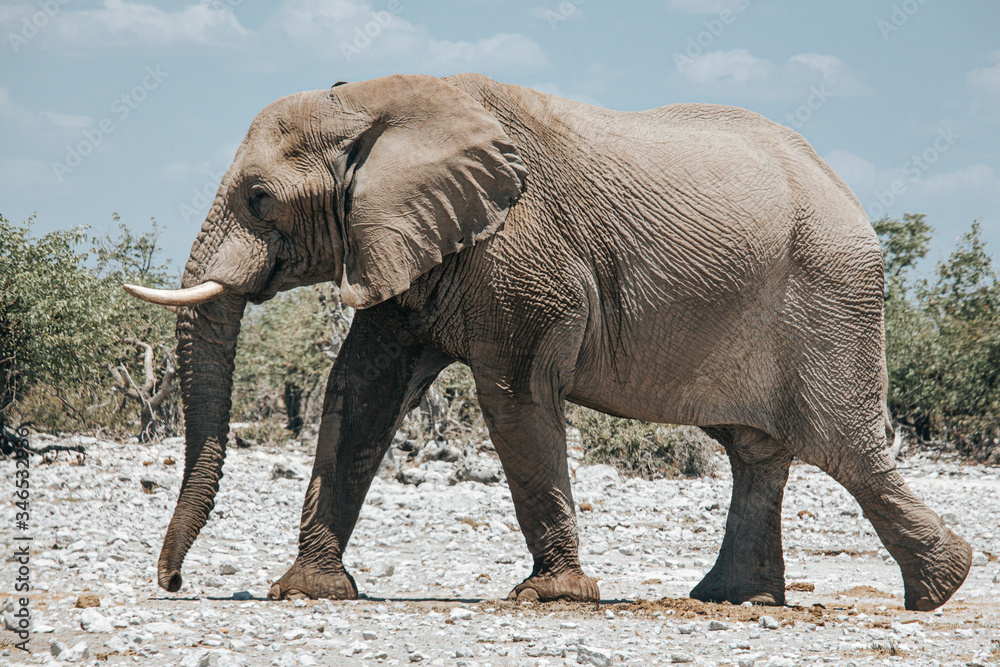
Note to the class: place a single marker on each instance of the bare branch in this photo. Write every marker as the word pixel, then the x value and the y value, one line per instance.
pixel 147 363
pixel 170 369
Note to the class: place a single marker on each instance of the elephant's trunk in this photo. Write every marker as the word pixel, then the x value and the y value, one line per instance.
pixel 206 349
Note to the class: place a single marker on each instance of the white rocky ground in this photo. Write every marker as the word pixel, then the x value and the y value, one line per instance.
pixel 435 562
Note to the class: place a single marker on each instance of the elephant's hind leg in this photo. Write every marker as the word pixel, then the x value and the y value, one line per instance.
pixel 750 566
pixel 933 560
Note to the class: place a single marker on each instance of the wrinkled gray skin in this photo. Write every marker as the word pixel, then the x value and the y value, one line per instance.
pixel 692 264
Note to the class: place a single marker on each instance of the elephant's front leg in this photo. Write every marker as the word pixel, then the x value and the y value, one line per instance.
pixel 380 374
pixel 526 423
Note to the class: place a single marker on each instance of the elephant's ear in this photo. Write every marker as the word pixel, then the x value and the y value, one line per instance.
pixel 431 172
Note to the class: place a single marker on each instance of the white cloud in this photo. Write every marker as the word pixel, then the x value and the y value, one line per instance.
pixel 984 88
pixel 706 6
pixel 68 120
pixel 355 30
pixel 916 185
pixel 738 66
pixel 120 23
pixel 15 117
pixel 801 72
pixel 975 179
pixel 554 89
pixel 853 169
pixel 503 50
pixel 811 68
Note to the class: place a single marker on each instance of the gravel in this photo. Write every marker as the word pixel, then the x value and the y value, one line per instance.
pixel 435 560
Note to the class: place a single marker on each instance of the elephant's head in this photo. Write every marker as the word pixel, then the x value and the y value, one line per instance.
pixel 368 184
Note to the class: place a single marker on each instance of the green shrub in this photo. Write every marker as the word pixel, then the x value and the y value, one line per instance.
pixel 641 449
pixel 64 319
pixel 943 340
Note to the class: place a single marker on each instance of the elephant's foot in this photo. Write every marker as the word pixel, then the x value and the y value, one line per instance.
pixel 729 587
pixel 303 582
pixel 930 580
pixel 573 585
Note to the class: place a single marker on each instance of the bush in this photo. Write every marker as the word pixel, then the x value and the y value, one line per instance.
pixel 284 354
pixel 641 449
pixel 943 340
pixel 65 321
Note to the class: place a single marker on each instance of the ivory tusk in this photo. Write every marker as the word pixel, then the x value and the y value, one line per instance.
pixel 171 298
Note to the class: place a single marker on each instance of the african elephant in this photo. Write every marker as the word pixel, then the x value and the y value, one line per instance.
pixel 692 264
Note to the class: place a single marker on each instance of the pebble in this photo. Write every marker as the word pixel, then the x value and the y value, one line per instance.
pixel 769 622
pixel 87 600
pixel 92 620
pixel 589 655
pixel 421 549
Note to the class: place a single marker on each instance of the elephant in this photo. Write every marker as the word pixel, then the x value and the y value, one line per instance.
pixel 691 264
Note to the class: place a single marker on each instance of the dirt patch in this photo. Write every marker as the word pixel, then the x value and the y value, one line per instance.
pixel 801 587
pixel 864 592
pixel 688 608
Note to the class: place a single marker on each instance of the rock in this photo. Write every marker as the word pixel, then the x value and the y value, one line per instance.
pixel 461 614
pixel 383 570
pixel 198 659
pixel 717 625
pixel 92 620
pixel 227 569
pixel 368 635
pixel 87 600
pixel 679 658
pixel 164 628
pixel 686 628
pixel 597 475
pixel 280 471
pixel 608 614
pixel 293 634
pixel 57 648
pixel 116 643
pixel 413 476
pixel 906 629
pixel 588 655
pixel 79 652
pixel 745 661
pixel 979 559
pixel 769 622
pixel 417 656
pixel 476 469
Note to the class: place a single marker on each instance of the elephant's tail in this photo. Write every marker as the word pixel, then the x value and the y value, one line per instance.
pixel 893 434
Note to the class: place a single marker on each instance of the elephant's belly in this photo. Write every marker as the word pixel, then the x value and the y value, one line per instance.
pixel 679 370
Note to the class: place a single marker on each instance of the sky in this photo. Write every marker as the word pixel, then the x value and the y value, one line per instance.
pixel 138 107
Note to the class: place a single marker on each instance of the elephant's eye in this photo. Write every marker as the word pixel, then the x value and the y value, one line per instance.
pixel 261 203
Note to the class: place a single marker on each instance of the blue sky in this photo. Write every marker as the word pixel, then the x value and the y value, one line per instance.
pixel 138 107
